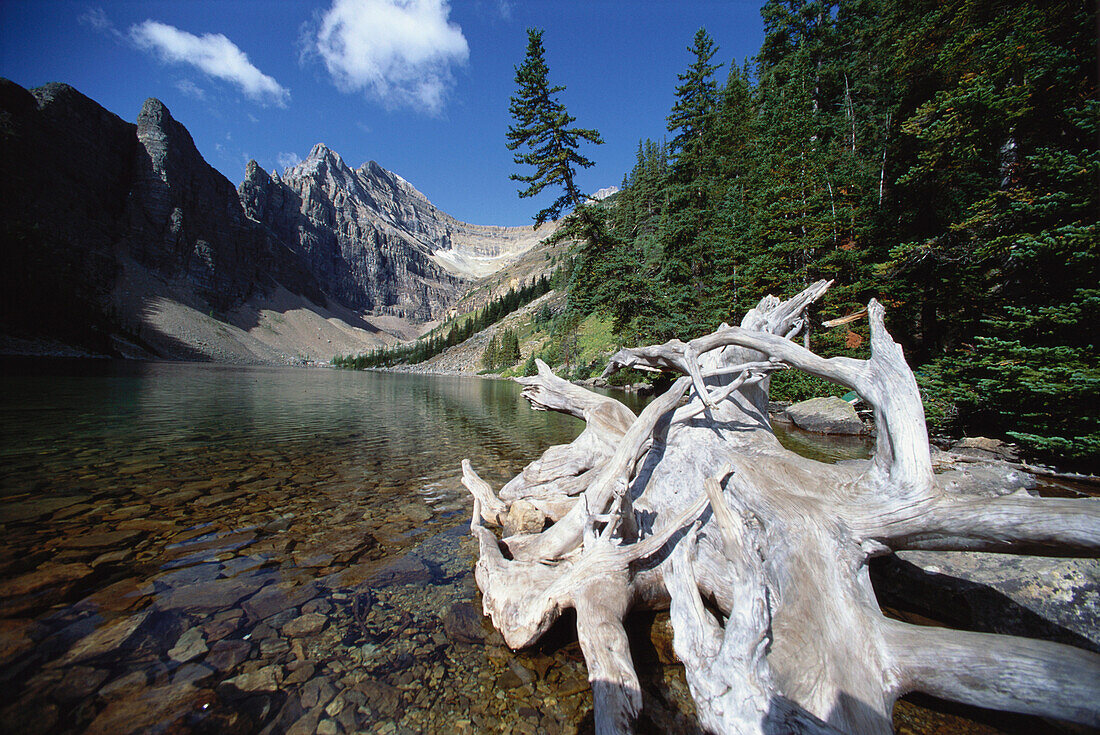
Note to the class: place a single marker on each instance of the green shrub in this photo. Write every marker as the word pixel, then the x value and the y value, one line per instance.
pixel 795 385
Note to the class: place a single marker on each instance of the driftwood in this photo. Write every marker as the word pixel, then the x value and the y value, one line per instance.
pixel 695 500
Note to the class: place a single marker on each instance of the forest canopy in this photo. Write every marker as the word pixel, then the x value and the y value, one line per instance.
pixel 938 155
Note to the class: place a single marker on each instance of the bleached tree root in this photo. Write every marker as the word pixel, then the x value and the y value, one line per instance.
pixel 694 499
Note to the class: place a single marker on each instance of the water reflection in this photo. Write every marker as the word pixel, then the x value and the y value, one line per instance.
pixel 834 448
pixel 205 547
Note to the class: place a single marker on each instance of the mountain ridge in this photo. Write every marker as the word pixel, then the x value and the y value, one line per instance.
pixel 122 240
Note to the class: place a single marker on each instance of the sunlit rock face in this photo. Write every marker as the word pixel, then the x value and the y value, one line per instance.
pixel 373 238
pixel 102 218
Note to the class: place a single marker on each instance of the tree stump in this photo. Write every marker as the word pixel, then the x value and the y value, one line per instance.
pixel 695 499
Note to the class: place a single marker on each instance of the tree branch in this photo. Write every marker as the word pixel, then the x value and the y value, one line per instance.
pixel 997 671
pixel 1016 523
pixel 613 477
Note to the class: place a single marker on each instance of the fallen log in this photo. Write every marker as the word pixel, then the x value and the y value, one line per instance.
pixel 695 499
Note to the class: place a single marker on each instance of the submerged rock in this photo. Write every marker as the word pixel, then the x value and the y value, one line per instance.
pixel 189 645
pixel 47 575
pixel 210 596
pixel 265 679
pixel 227 655
pixel 462 623
pixel 275 599
pixel 105 639
pixel 79 682
pixel 307 624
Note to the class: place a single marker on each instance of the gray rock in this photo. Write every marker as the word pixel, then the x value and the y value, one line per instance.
pixel 142 195
pixel 262 680
pixel 829 415
pixel 986 480
pixel 190 645
pixel 1041 597
pixel 307 624
pixel 363 234
pixel 226 655
pixel 980 446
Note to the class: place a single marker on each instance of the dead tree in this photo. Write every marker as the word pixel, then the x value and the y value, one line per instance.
pixel 695 499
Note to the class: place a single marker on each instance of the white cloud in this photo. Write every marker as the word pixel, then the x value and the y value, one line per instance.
pixel 214 54
pixel 190 89
pixel 286 160
pixel 398 51
pixel 98 20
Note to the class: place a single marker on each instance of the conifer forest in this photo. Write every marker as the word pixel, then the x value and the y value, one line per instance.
pixel 940 156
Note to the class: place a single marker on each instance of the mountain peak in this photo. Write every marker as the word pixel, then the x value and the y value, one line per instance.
pixel 254 172
pixel 320 151
pixel 320 158
pixel 154 109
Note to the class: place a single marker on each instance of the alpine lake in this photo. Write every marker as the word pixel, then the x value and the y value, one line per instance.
pixel 213 549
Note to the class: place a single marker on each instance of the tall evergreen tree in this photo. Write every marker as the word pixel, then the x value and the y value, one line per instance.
pixel 542 128
pixel 688 275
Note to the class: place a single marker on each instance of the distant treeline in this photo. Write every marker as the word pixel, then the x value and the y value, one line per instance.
pixel 460 329
pixel 939 155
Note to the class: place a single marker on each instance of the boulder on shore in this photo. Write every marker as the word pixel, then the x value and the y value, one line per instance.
pixel 829 415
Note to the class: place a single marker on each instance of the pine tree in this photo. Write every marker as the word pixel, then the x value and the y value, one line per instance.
pixel 529 367
pixel 542 127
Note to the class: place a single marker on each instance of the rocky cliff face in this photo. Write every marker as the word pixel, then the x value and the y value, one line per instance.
pixel 182 222
pixel 100 218
pixel 94 209
pixel 373 238
pixel 323 213
pixel 65 171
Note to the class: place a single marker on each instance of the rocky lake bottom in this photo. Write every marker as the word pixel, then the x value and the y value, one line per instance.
pixel 193 548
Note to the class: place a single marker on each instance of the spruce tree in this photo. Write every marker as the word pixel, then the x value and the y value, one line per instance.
pixel 688 276
pixel 491 355
pixel 542 128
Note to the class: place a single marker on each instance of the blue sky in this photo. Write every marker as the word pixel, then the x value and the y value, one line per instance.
pixel 420 86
